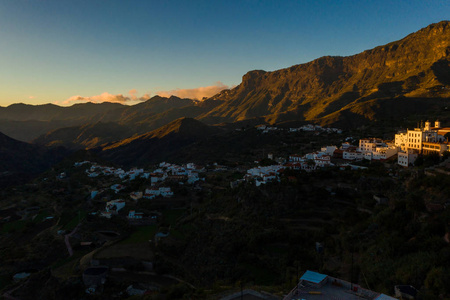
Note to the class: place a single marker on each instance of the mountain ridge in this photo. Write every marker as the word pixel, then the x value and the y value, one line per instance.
pixel 410 67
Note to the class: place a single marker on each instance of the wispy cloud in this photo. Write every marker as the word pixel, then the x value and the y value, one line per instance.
pixel 197 93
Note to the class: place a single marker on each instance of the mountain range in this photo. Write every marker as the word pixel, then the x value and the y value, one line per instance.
pixel 330 89
pixel 384 84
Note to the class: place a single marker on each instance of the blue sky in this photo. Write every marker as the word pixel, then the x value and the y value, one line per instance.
pixel 54 51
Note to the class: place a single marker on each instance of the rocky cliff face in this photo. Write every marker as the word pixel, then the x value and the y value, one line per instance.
pixel 417 66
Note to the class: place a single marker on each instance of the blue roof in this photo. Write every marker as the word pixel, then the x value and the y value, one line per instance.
pixel 313 277
pixel 385 297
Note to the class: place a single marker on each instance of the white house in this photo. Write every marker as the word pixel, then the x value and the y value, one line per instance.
pixel 192 178
pixel 294 165
pixel 135 215
pixel 382 153
pixel 151 193
pixel 134 172
pixel 352 155
pixel 370 145
pixel 296 158
pixel 329 150
pixel 261 127
pixel 119 172
pixel 162 191
pixel 115 205
pixel 117 187
pixel 136 195
pixel 80 163
pixel 157 177
pixel 407 158
pixel 401 140
pixel 106 214
pixel 323 161
pixel 165 192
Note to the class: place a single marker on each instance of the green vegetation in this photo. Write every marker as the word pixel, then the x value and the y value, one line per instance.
pixel 68 264
pixel 15 226
pixel 69 223
pixel 171 216
pixel 5 280
pixel 141 234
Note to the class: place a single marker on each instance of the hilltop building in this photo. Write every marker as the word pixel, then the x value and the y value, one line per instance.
pixel 422 140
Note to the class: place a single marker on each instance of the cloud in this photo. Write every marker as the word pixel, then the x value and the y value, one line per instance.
pixel 145 97
pixel 133 93
pixel 104 97
pixel 133 98
pixel 197 93
pixel 31 97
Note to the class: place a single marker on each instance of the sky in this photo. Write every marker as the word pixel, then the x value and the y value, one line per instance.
pixel 66 52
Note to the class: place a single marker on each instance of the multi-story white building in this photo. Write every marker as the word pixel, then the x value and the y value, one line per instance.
pixel 424 140
pixel 370 145
pixel 401 140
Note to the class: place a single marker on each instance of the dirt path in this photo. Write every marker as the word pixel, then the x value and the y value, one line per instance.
pixel 66 239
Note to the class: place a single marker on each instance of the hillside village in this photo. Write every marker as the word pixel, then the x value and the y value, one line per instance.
pixel 311 181
pixel 407 146
pixel 108 221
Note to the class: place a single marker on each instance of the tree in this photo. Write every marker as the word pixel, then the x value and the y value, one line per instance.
pixel 435 280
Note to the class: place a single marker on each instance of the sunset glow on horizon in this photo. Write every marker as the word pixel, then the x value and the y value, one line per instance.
pixel 126 52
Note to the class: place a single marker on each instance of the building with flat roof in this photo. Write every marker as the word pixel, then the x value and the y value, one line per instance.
pixel 313 285
pixel 423 140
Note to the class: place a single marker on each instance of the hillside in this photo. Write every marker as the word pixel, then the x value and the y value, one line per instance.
pixel 330 89
pixel 85 136
pixel 20 157
pixel 158 144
